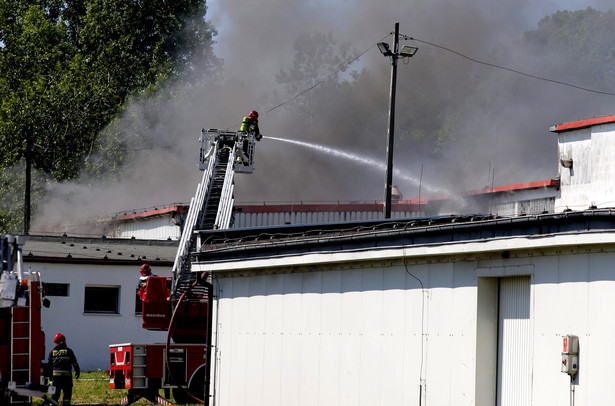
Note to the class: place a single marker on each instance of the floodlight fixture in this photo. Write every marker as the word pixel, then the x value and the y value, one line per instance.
pixel 384 49
pixel 408 51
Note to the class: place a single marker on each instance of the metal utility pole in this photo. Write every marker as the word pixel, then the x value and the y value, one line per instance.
pixel 28 187
pixel 391 129
pixel 395 54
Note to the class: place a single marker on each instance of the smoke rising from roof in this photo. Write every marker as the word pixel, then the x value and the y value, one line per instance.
pixel 256 41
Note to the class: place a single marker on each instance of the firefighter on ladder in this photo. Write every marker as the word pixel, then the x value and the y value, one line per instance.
pixel 146 272
pixel 249 125
pixel 62 359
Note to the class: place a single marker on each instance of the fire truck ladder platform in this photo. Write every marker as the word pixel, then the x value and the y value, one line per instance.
pixel 222 154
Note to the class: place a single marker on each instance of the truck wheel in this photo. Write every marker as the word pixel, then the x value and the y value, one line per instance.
pixel 132 396
pixel 180 396
pixel 197 384
pixel 196 389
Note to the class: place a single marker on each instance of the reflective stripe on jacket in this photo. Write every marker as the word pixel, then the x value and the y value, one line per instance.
pixel 63 360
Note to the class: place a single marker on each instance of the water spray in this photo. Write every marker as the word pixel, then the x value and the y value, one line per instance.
pixel 353 157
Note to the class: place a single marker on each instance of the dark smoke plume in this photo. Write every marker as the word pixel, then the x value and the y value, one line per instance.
pixel 256 41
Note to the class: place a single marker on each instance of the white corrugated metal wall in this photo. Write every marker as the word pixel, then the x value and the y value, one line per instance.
pixel 352 335
pixel 346 337
pixel 247 220
pixel 156 228
pixel 514 342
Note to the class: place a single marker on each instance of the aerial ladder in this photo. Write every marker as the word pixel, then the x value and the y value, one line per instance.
pixel 180 304
pixel 22 340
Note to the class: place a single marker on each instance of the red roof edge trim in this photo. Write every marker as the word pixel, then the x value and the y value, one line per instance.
pixel 152 213
pixel 576 125
pixel 487 190
pixel 517 186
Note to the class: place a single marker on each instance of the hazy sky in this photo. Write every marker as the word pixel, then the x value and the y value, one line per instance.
pixel 255 39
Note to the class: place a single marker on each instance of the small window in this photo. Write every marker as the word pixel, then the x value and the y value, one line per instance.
pixel 102 299
pixel 138 304
pixel 56 289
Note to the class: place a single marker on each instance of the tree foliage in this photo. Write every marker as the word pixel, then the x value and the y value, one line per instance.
pixel 576 45
pixel 67 67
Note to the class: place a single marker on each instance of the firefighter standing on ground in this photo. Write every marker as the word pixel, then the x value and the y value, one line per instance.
pixel 62 359
pixel 249 125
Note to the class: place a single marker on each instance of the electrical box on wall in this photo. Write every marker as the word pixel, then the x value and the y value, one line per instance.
pixel 570 354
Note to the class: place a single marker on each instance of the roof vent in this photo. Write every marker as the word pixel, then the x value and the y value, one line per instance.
pixel 396 195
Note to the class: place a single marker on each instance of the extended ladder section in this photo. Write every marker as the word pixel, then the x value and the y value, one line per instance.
pixel 21 338
pixel 222 154
pixel 11 264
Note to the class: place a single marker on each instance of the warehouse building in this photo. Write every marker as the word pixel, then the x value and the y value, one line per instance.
pixel 474 310
pixel 426 308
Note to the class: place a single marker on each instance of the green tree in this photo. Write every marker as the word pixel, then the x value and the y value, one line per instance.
pixel 68 66
pixel 575 45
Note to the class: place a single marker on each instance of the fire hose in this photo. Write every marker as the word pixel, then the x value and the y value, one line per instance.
pixel 201 279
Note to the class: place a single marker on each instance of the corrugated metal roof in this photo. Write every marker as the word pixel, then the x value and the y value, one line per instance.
pixel 98 250
pixel 225 245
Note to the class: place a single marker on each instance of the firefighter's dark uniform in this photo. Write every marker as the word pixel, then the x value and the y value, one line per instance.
pixel 62 359
pixel 250 125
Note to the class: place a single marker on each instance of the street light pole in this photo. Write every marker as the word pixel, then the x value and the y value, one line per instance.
pixel 391 129
pixel 395 54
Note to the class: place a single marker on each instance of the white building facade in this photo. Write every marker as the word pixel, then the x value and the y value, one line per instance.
pixel 586 163
pixel 476 321
pixel 91 284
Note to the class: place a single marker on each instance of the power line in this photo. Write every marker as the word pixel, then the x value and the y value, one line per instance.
pixel 559 82
pixel 343 66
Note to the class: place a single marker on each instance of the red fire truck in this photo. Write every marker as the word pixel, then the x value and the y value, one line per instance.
pixel 146 368
pixel 22 341
pixel 180 304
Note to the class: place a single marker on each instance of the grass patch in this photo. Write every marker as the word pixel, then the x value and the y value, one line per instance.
pixel 92 388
